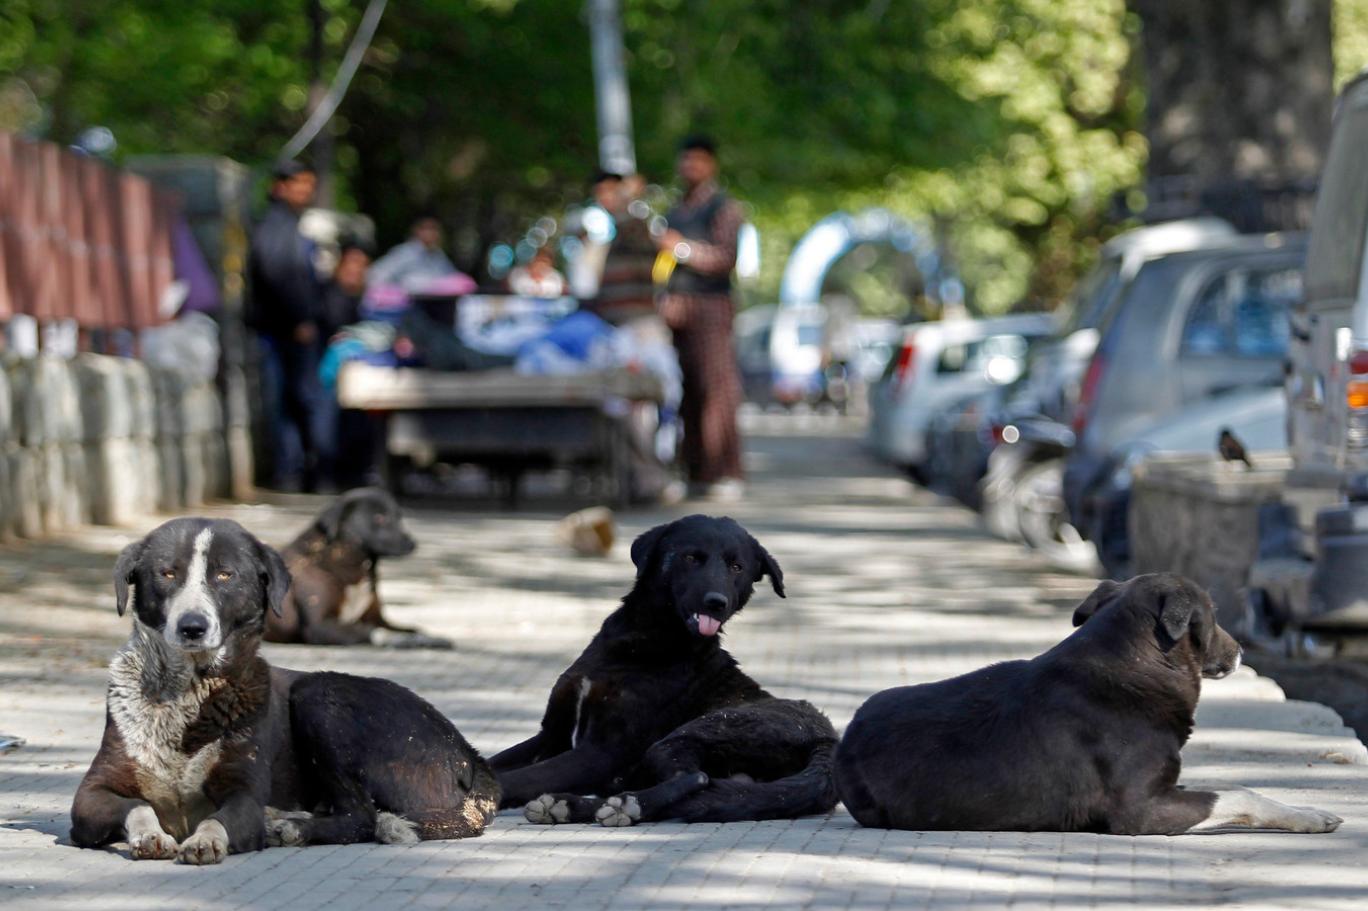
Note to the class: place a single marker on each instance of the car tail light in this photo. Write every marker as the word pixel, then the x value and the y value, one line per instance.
pixel 902 370
pixel 1356 397
pixel 1358 380
pixel 1087 394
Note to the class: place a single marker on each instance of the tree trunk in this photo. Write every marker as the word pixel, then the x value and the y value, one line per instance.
pixel 1240 94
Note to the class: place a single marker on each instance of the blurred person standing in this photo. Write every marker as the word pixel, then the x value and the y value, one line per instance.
pixel 413 264
pixel 625 289
pixel 698 307
pixel 287 300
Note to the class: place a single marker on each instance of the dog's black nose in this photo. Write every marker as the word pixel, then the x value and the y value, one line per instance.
pixel 715 601
pixel 192 627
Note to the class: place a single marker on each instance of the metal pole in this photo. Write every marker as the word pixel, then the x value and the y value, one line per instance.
pixel 616 151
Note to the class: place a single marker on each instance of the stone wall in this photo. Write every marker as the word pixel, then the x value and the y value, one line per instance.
pixel 105 440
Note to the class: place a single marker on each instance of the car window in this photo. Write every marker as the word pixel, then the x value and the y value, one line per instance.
pixel 1091 299
pixel 976 354
pixel 1334 261
pixel 955 358
pixel 1243 312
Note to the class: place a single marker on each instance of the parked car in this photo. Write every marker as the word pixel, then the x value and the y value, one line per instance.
pixel 1324 581
pixel 939 363
pixel 1027 437
pixel 1191 327
pixel 1257 417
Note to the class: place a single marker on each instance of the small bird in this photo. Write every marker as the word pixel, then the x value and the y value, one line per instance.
pixel 1231 449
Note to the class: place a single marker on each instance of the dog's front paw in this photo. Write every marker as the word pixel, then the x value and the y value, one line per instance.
pixel 1311 820
pixel 618 811
pixel 152 846
pixel 547 810
pixel 283 833
pixel 208 845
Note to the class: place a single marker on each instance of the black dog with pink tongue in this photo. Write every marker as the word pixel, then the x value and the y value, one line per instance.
pixel 657 718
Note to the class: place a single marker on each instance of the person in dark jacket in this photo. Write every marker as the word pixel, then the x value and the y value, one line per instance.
pixel 287 308
pixel 698 307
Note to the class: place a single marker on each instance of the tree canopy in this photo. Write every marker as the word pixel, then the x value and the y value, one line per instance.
pixel 1008 124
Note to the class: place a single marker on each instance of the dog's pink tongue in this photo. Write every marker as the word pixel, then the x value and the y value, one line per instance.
pixel 708 626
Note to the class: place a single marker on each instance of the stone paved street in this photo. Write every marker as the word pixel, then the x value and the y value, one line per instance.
pixel 886 587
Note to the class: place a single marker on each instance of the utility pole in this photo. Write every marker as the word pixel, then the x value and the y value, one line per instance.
pixel 616 150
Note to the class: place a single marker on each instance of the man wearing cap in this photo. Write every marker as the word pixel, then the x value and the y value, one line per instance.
pixel 698 307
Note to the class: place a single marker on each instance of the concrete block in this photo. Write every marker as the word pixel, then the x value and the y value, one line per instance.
pixel 201 409
pixel 142 399
pixel 194 472
pixel 7 504
pixel 106 406
pixel 26 516
pixel 73 502
pixel 168 389
pixel 119 493
pixel 6 407
pixel 170 482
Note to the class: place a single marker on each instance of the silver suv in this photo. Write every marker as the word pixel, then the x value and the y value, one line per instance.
pixel 1327 391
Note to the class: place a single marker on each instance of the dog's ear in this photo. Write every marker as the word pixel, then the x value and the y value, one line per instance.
pixel 768 566
pixel 124 570
pixel 1095 602
pixel 275 577
pixel 1176 613
pixel 644 547
pixel 329 521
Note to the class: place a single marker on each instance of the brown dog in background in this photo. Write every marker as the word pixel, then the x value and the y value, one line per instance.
pixel 334 599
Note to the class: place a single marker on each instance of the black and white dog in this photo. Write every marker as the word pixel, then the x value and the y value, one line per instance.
pixel 334 594
pixel 658 719
pixel 201 735
pixel 1084 738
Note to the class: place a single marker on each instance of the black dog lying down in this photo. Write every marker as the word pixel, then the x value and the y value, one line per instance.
pixel 657 714
pixel 201 734
pixel 334 598
pixel 1084 738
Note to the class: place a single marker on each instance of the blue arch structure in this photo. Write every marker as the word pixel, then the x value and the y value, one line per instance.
pixel 839 233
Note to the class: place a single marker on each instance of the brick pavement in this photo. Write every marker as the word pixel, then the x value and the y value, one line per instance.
pixel 886 587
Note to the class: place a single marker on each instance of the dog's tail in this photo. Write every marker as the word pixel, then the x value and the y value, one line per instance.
pixel 469 818
pixel 805 793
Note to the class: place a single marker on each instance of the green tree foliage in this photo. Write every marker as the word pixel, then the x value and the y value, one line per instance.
pixel 1009 124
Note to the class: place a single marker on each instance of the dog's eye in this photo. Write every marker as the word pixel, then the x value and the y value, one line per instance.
pixel 168 574
pixel 690 559
pixel 223 575
pixel 736 567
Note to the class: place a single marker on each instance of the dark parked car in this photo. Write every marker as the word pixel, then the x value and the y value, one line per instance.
pixel 1191 327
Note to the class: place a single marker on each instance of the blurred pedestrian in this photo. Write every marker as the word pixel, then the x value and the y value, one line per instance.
pixel 625 288
pixel 342 297
pixel 286 310
pixel 415 263
pixel 697 305
pixel 539 278
pixel 356 432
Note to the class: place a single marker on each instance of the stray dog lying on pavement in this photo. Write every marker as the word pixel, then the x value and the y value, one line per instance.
pixel 1084 738
pixel 657 706
pixel 201 735
pixel 334 599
